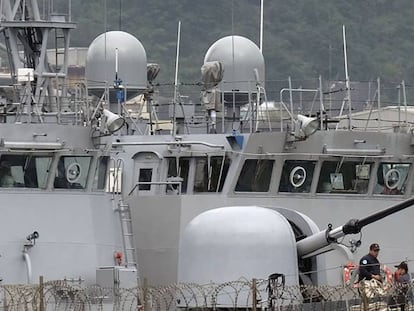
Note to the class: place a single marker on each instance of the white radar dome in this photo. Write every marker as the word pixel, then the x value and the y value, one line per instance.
pixel 102 63
pixel 241 59
pixel 229 243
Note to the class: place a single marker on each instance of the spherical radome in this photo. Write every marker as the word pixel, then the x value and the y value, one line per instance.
pixel 101 63
pixel 240 58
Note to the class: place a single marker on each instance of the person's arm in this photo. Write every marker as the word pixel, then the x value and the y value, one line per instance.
pixel 402 284
pixel 404 279
pixel 364 271
pixel 367 271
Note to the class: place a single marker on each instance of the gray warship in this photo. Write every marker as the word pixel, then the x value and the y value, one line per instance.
pixel 105 181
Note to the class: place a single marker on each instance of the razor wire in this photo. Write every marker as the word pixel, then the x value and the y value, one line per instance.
pixel 234 295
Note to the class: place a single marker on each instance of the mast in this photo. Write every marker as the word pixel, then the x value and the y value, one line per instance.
pixel 347 83
pixel 261 26
pixel 176 78
pixel 26 30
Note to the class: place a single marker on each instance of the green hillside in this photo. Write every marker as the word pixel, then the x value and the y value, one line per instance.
pixel 302 39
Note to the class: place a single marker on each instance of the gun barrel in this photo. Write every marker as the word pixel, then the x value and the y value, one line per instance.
pixel 323 238
pixel 384 213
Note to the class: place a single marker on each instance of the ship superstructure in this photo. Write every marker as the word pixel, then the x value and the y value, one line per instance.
pixel 107 174
pixel 295 153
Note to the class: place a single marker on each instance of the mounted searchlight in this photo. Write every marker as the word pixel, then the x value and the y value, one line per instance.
pixel 305 126
pixel 113 121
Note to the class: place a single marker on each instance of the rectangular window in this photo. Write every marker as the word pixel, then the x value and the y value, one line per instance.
pixel 145 176
pixel 178 174
pixel 210 173
pixel 297 176
pixel 392 178
pixel 100 173
pixel 348 177
pixel 255 176
pixel 72 172
pixel 24 171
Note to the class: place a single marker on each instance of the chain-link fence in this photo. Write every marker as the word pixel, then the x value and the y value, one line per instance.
pixel 241 295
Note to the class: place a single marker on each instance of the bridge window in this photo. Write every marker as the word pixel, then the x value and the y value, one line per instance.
pixel 24 171
pixel 344 177
pixel 255 175
pixel 72 172
pixel 100 174
pixel 391 178
pixel 210 173
pixel 178 173
pixel 297 176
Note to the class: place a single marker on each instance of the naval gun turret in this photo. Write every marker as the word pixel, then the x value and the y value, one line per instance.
pixel 315 244
pixel 245 242
pixel 224 244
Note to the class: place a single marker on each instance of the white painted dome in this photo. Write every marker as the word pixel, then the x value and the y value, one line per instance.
pixel 101 63
pixel 240 57
pixel 228 243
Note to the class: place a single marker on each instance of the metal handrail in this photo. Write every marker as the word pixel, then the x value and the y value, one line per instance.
pixel 179 142
pixel 179 183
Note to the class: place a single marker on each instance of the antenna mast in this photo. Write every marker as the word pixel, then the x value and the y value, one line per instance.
pixel 176 77
pixel 120 15
pixel 261 26
pixel 348 87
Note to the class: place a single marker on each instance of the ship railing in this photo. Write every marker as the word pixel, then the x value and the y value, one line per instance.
pixel 290 111
pixel 172 186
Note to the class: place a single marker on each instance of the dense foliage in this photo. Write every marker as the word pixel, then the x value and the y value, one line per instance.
pixel 302 39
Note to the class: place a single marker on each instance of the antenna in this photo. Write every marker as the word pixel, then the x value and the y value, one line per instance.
pixel 105 51
pixel 348 88
pixel 261 26
pixel 120 15
pixel 176 76
pixel 347 84
pixel 116 63
pixel 118 84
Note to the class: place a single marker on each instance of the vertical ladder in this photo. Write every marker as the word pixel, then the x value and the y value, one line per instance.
pixel 128 244
pixel 127 234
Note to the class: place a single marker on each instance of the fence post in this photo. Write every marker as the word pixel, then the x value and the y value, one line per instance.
pixel 254 295
pixel 145 292
pixel 41 300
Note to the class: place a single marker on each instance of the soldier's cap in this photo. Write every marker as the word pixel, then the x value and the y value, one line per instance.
pixel 374 247
pixel 403 265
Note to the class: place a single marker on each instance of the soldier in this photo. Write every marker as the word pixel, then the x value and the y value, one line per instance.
pixel 401 286
pixel 369 266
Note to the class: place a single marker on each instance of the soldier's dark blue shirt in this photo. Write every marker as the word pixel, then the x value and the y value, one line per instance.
pixel 368 265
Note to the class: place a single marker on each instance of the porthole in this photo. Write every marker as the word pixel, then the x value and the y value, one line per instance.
pixel 73 172
pixel 392 178
pixel 297 176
